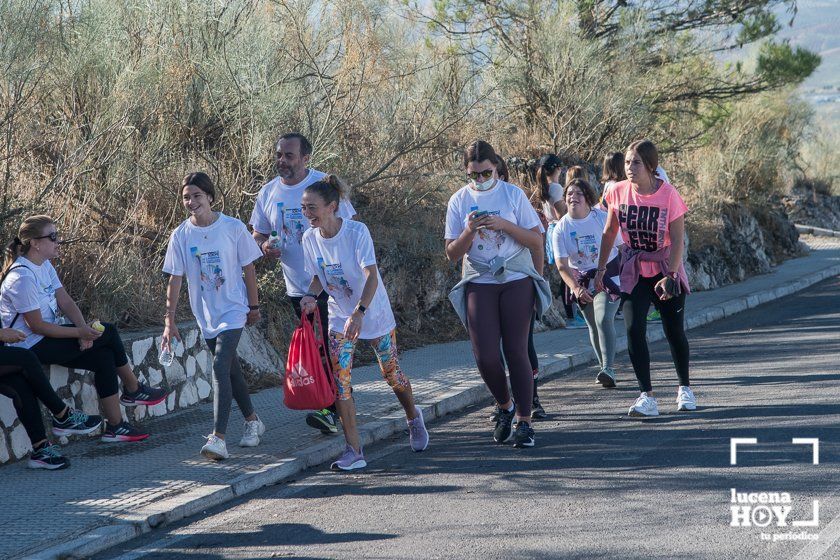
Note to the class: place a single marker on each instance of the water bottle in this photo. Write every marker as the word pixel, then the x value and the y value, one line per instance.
pixel 274 241
pixel 167 354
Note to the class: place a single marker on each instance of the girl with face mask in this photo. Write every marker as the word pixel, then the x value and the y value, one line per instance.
pixel 491 224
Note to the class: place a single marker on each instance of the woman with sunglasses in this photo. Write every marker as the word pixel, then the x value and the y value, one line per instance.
pixel 33 300
pixel 491 224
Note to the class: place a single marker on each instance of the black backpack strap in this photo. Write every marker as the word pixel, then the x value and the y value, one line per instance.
pixel 3 279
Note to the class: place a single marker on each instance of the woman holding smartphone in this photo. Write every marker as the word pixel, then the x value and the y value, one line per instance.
pixel 491 224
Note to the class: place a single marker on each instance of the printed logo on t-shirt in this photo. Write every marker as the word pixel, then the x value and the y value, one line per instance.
pixel 337 285
pixel 489 240
pixel 290 223
pixel 586 252
pixel 645 225
pixel 210 269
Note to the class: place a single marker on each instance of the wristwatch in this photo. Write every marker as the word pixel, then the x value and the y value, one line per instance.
pixel 361 309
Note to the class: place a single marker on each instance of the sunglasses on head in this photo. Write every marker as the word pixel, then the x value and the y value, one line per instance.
pixel 51 236
pixel 486 174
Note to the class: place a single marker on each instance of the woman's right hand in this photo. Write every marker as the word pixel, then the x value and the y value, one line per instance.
pixel 474 224
pixel 11 336
pixel 88 333
pixel 583 296
pixel 308 305
pixel 170 332
pixel 599 281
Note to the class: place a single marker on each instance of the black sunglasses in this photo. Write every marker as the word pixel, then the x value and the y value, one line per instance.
pixel 51 236
pixel 486 174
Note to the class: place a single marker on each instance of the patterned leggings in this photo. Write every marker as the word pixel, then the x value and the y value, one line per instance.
pixel 342 350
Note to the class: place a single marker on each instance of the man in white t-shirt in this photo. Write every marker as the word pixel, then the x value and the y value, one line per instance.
pixel 278 209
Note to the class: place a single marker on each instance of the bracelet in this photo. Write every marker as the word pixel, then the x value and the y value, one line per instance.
pixel 254 307
pixel 602 270
pixel 310 294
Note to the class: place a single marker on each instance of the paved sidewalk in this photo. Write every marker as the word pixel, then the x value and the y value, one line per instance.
pixel 115 492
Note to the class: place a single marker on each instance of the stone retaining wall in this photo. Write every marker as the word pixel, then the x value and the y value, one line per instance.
pixel 188 379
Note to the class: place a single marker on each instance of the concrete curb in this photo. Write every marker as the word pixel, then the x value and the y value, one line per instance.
pixel 816 231
pixel 464 395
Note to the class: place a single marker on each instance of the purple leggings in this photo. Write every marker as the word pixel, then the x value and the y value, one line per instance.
pixel 503 312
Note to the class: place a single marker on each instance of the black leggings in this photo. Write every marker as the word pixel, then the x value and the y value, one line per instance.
pixel 103 358
pixel 502 312
pixel 22 379
pixel 635 307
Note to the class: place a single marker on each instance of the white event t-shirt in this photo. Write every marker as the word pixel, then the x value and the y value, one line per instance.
pixel 278 208
pixel 555 195
pixel 212 258
pixel 25 290
pixel 505 200
pixel 339 263
pixel 580 241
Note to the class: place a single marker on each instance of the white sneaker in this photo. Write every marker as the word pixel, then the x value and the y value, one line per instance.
pixel 644 406
pixel 253 430
pixel 685 399
pixel 215 448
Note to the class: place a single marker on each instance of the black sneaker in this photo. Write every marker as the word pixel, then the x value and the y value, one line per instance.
pixel 502 432
pixel 76 423
pixel 537 411
pixel 523 436
pixel 122 432
pixel 143 395
pixel 324 420
pixel 48 457
pixel 495 414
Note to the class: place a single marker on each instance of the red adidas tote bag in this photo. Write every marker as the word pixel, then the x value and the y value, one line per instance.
pixel 309 383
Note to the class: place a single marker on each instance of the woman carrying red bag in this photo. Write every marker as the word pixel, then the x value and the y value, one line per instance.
pixel 214 251
pixel 308 384
pixel 338 253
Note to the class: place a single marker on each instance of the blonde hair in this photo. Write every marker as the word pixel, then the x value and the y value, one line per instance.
pixel 32 227
pixel 331 189
pixel 575 172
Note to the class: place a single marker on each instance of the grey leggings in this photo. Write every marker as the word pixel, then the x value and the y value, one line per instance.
pixel 600 318
pixel 228 379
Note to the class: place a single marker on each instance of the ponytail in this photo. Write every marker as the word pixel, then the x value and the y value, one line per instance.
pixel 548 164
pixel 11 254
pixel 330 189
pixel 32 227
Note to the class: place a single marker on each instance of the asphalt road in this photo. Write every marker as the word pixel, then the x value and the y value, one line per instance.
pixel 598 484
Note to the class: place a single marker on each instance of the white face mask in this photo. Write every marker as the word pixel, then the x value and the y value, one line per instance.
pixel 485 186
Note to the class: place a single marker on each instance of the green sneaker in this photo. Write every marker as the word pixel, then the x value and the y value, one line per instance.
pixel 324 420
pixel 654 317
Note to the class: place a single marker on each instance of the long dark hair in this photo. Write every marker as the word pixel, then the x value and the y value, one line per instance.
pixel 548 164
pixel 613 167
pixel 479 151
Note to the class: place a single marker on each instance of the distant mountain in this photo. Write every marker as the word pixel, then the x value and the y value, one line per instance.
pixel 817 28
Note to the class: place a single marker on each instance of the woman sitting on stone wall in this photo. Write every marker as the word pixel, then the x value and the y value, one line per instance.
pixel 33 301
